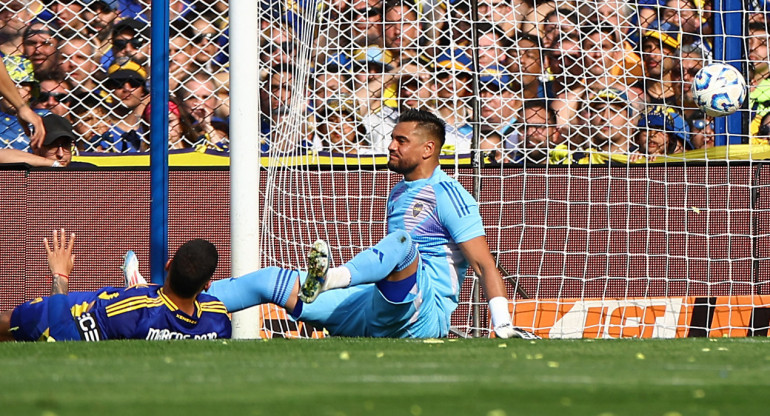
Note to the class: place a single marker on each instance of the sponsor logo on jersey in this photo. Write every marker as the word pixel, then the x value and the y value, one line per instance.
pixel 166 334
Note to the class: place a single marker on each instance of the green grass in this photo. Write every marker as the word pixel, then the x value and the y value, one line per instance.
pixel 390 377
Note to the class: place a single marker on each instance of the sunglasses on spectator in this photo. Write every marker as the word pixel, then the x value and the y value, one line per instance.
pixel 120 82
pixel 368 12
pixel 205 36
pixel 120 44
pixel 57 96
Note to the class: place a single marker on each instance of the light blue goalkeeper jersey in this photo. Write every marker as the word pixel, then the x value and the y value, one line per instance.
pixel 438 213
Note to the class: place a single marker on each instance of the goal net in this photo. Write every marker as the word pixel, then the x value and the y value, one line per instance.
pixel 615 207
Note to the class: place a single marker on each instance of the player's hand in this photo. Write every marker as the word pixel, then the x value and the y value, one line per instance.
pixel 28 117
pixel 507 330
pixel 60 258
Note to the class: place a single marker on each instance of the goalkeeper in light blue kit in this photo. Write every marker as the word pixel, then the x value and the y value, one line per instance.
pixel 407 285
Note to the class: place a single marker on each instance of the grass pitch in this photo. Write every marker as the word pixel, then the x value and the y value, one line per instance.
pixel 340 376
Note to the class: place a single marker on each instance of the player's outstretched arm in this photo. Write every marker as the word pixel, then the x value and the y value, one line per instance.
pixel 61 261
pixel 476 251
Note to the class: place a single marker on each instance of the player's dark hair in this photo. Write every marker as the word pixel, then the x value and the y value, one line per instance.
pixel 192 267
pixel 426 120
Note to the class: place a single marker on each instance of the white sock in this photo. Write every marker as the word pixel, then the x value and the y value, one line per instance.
pixel 337 277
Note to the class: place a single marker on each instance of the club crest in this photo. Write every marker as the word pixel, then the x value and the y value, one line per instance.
pixel 417 209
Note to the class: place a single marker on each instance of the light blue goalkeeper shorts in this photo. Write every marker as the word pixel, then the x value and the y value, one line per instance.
pixel 363 311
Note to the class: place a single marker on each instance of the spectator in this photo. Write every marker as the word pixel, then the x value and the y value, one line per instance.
pixel 179 64
pixel 202 47
pixel 607 62
pixel 499 105
pixel 130 39
pixel 14 105
pixel 454 77
pixel 41 46
pixel 341 128
pixel 758 52
pixel 197 97
pixel 527 66
pixel 557 23
pixel 92 120
pixel 68 14
pixel 492 46
pixel 540 133
pixel 662 131
pixel 702 130
pixel 691 61
pixel 181 134
pixel 660 44
pixel 127 82
pixel 53 95
pixel 365 27
pixel 140 9
pixel 692 19
pixel 491 146
pixel 401 32
pixel 290 135
pixel 99 16
pixel 327 81
pixel 80 65
pixel 56 150
pixel 280 88
pixel 372 78
pixel 506 14
pixel 14 16
pixel 610 122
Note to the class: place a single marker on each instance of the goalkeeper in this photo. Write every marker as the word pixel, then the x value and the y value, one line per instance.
pixel 407 285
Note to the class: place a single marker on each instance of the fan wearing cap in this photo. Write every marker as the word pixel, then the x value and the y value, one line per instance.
pixel 16 86
pixel 56 150
pixel 702 130
pixel 499 104
pixel 527 65
pixel 611 121
pixel 127 84
pixel 454 91
pixel 130 39
pixel 662 131
pixel 659 46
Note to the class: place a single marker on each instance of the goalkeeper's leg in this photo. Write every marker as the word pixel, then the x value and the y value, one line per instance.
pixel 268 285
pixel 390 259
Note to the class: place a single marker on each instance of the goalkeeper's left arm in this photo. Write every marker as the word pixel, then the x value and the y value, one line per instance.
pixel 476 251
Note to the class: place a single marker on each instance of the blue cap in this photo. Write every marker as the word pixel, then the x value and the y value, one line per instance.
pixel 456 59
pixel 495 75
pixel 666 119
pixel 374 55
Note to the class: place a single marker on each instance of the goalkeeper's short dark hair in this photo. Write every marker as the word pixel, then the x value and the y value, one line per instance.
pixel 426 120
pixel 192 267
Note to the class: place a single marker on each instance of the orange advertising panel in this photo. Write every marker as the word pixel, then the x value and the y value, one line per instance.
pixel 275 323
pixel 718 316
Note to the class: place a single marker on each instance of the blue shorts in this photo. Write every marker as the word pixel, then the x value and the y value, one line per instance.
pixel 29 321
pixel 363 311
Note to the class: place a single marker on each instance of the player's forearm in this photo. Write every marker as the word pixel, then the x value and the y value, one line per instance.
pixel 60 284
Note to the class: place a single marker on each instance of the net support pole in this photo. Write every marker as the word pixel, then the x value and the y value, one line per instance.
pixel 159 141
pixel 728 47
pixel 244 153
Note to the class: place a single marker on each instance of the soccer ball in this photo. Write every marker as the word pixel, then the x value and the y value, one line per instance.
pixel 719 89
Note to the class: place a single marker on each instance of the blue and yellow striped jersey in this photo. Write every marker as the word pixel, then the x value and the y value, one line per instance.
pixel 145 312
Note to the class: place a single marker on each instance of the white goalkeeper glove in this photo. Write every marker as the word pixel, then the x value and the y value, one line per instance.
pixel 501 321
